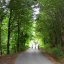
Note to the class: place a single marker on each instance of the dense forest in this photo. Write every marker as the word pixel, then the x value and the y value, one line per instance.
pixel 50 26
pixel 17 27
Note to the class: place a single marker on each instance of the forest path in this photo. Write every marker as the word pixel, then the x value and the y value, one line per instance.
pixel 32 57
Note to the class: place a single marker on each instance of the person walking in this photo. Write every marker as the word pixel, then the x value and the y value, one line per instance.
pixel 37 45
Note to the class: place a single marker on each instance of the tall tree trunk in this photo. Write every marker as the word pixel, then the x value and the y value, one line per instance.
pixel 0 38
pixel 8 43
pixel 18 37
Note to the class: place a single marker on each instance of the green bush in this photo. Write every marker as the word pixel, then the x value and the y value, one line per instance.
pixel 47 48
pixel 57 52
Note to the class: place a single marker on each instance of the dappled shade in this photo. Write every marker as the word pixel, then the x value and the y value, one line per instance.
pixel 38 24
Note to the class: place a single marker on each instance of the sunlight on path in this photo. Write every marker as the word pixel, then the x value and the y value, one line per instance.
pixel 32 57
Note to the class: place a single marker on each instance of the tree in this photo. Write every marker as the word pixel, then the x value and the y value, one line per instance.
pixel 18 24
pixel 51 18
pixel 2 6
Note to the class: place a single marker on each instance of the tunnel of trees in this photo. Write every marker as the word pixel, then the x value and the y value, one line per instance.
pixel 17 26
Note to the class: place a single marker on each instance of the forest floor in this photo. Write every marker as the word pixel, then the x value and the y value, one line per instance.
pixel 53 58
pixel 10 59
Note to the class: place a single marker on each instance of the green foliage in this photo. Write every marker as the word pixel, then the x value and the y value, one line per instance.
pixel 16 25
pixel 50 24
pixel 4 34
pixel 47 48
pixel 58 52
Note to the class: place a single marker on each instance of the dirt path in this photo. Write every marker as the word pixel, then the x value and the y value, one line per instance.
pixel 32 57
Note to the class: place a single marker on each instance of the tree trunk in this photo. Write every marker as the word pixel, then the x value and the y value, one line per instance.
pixel 8 43
pixel 0 38
pixel 18 37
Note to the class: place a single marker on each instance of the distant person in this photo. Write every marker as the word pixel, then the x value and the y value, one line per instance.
pixel 33 45
pixel 37 46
